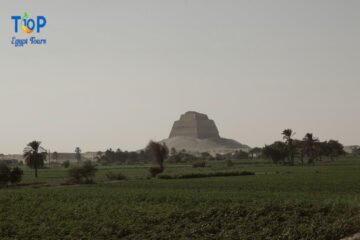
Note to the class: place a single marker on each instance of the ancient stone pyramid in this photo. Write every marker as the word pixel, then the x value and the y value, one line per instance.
pixel 196 133
pixel 194 124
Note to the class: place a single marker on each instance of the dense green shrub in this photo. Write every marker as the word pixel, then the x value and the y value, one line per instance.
pixel 165 176
pixel 9 175
pixel 203 175
pixel 122 157
pixel 229 163
pixel 4 174
pixel 115 176
pixel 84 173
pixel 277 152
pixel 16 175
pixel 159 152
pixel 66 164
pixel 199 164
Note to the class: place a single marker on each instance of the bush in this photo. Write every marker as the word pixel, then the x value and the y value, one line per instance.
pixel 84 173
pixel 154 171
pixel 238 155
pixel 203 175
pixel 115 176
pixel 199 164
pixel 16 175
pixel 182 157
pixel 229 163
pixel 165 176
pixel 9 175
pixel 66 164
pixel 4 174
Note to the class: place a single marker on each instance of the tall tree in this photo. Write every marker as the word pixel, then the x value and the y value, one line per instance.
pixel 287 136
pixel 276 151
pixel 159 152
pixel 34 156
pixel 78 154
pixel 310 147
pixel 335 149
pixel 255 152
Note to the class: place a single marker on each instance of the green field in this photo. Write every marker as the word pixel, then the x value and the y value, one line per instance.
pixel 278 202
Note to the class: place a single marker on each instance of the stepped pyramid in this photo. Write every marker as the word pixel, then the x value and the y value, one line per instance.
pixel 193 124
pixel 196 133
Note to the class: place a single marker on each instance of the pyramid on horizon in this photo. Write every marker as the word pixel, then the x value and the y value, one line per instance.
pixel 193 124
pixel 195 132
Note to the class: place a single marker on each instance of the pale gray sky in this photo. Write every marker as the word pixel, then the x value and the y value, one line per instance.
pixel 118 73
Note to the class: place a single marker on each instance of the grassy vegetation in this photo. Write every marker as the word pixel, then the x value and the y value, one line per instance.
pixel 204 175
pixel 278 202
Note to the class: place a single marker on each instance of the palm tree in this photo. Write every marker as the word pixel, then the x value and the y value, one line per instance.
pixel 34 156
pixel 159 152
pixel 78 154
pixel 310 149
pixel 287 136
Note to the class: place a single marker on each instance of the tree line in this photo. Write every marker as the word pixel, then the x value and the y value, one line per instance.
pixel 309 149
pixel 306 150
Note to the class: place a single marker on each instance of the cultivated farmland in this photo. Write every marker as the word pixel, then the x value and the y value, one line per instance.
pixel 278 202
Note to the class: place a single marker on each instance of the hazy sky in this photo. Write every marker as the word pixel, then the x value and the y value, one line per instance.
pixel 118 73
